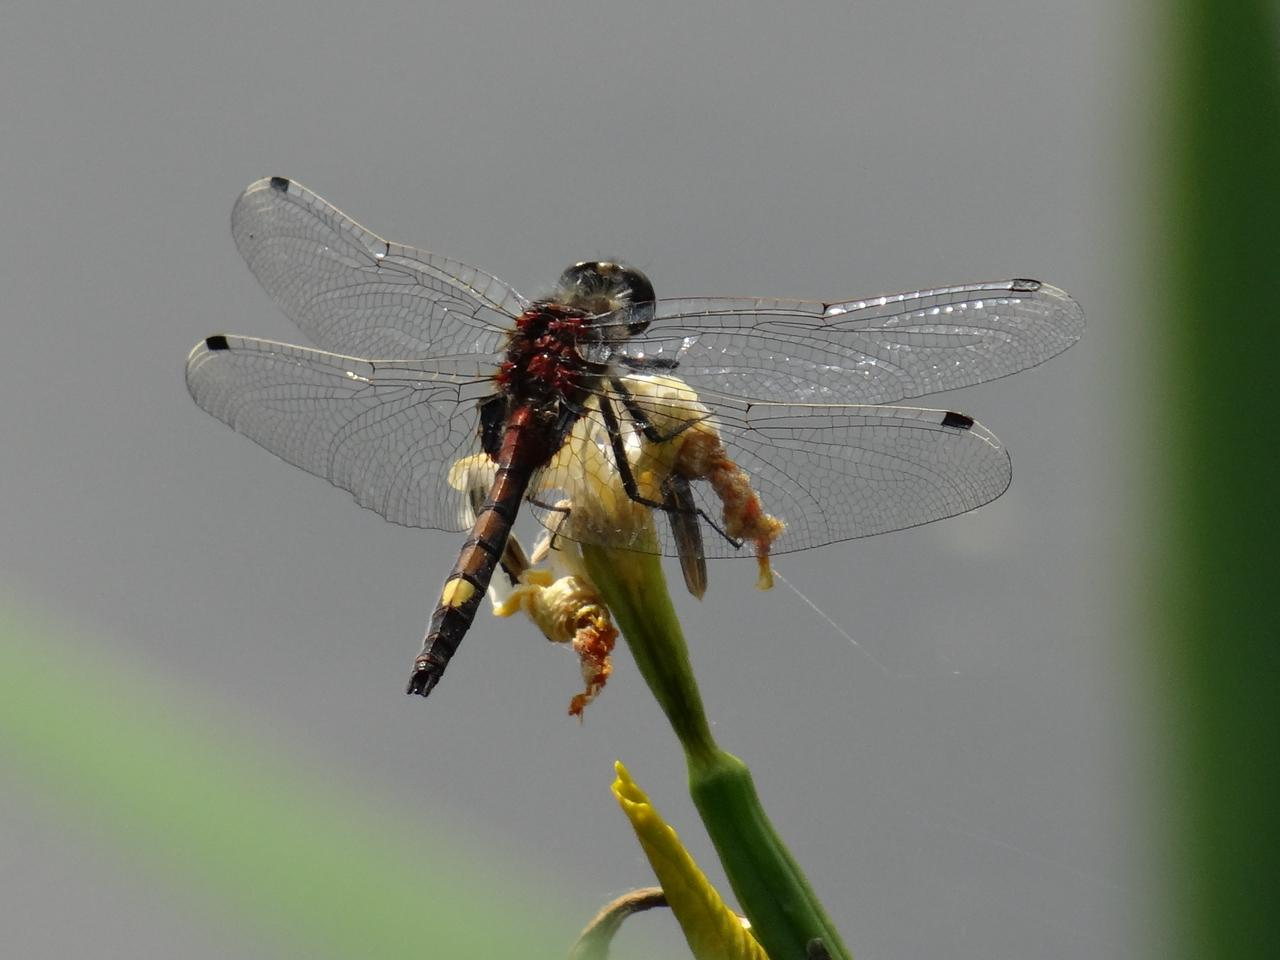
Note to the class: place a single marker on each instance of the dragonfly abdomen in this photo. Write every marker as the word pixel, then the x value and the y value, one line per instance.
pixel 525 447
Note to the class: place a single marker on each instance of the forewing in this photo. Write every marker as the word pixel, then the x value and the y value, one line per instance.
pixel 878 350
pixel 354 293
pixel 386 432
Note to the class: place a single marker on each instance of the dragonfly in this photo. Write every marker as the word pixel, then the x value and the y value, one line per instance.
pixel 422 363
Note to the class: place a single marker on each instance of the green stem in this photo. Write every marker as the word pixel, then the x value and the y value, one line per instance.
pixel 634 589
pixel 769 884
pixel 771 888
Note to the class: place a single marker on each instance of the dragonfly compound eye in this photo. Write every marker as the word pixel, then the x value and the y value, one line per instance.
pixel 603 286
pixel 639 296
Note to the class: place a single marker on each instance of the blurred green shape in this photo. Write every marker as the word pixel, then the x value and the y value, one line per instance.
pixel 1221 442
pixel 291 858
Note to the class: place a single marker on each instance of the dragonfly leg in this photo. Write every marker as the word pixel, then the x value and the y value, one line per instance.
pixel 673 505
pixel 651 433
pixel 649 363
pixel 561 507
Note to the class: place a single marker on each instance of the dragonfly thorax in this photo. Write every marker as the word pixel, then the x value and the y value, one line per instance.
pixel 542 363
pixel 595 301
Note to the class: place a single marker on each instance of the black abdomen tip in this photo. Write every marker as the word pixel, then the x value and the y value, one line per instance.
pixel 1024 286
pixel 426 674
pixel 280 183
pixel 216 342
pixel 957 420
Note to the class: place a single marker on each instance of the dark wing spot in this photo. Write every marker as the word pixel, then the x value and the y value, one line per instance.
pixel 957 420
pixel 280 183
pixel 1024 286
pixel 217 342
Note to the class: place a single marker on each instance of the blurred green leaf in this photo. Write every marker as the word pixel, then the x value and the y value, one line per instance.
pixel 1218 435
pixel 290 856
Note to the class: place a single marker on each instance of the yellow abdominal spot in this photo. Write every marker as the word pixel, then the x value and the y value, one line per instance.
pixel 457 592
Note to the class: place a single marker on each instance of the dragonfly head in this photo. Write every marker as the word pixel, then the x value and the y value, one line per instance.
pixel 602 286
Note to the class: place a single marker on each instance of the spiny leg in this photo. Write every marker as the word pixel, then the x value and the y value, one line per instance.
pixel 561 507
pixel 638 414
pixel 625 474
pixel 649 363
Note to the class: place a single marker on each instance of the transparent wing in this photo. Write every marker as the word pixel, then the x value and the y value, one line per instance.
pixel 880 350
pixel 829 472
pixel 386 432
pixel 354 293
pixel 835 474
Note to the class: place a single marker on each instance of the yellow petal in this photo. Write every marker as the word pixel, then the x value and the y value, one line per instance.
pixel 714 932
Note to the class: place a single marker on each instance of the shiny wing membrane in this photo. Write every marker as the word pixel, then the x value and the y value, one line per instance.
pixel 354 293
pixel 388 432
pixel 878 350
pixel 836 473
pixel 792 384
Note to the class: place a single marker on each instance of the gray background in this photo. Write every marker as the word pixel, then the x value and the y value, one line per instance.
pixel 964 782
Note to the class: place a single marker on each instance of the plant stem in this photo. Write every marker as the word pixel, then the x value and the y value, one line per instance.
pixel 786 916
